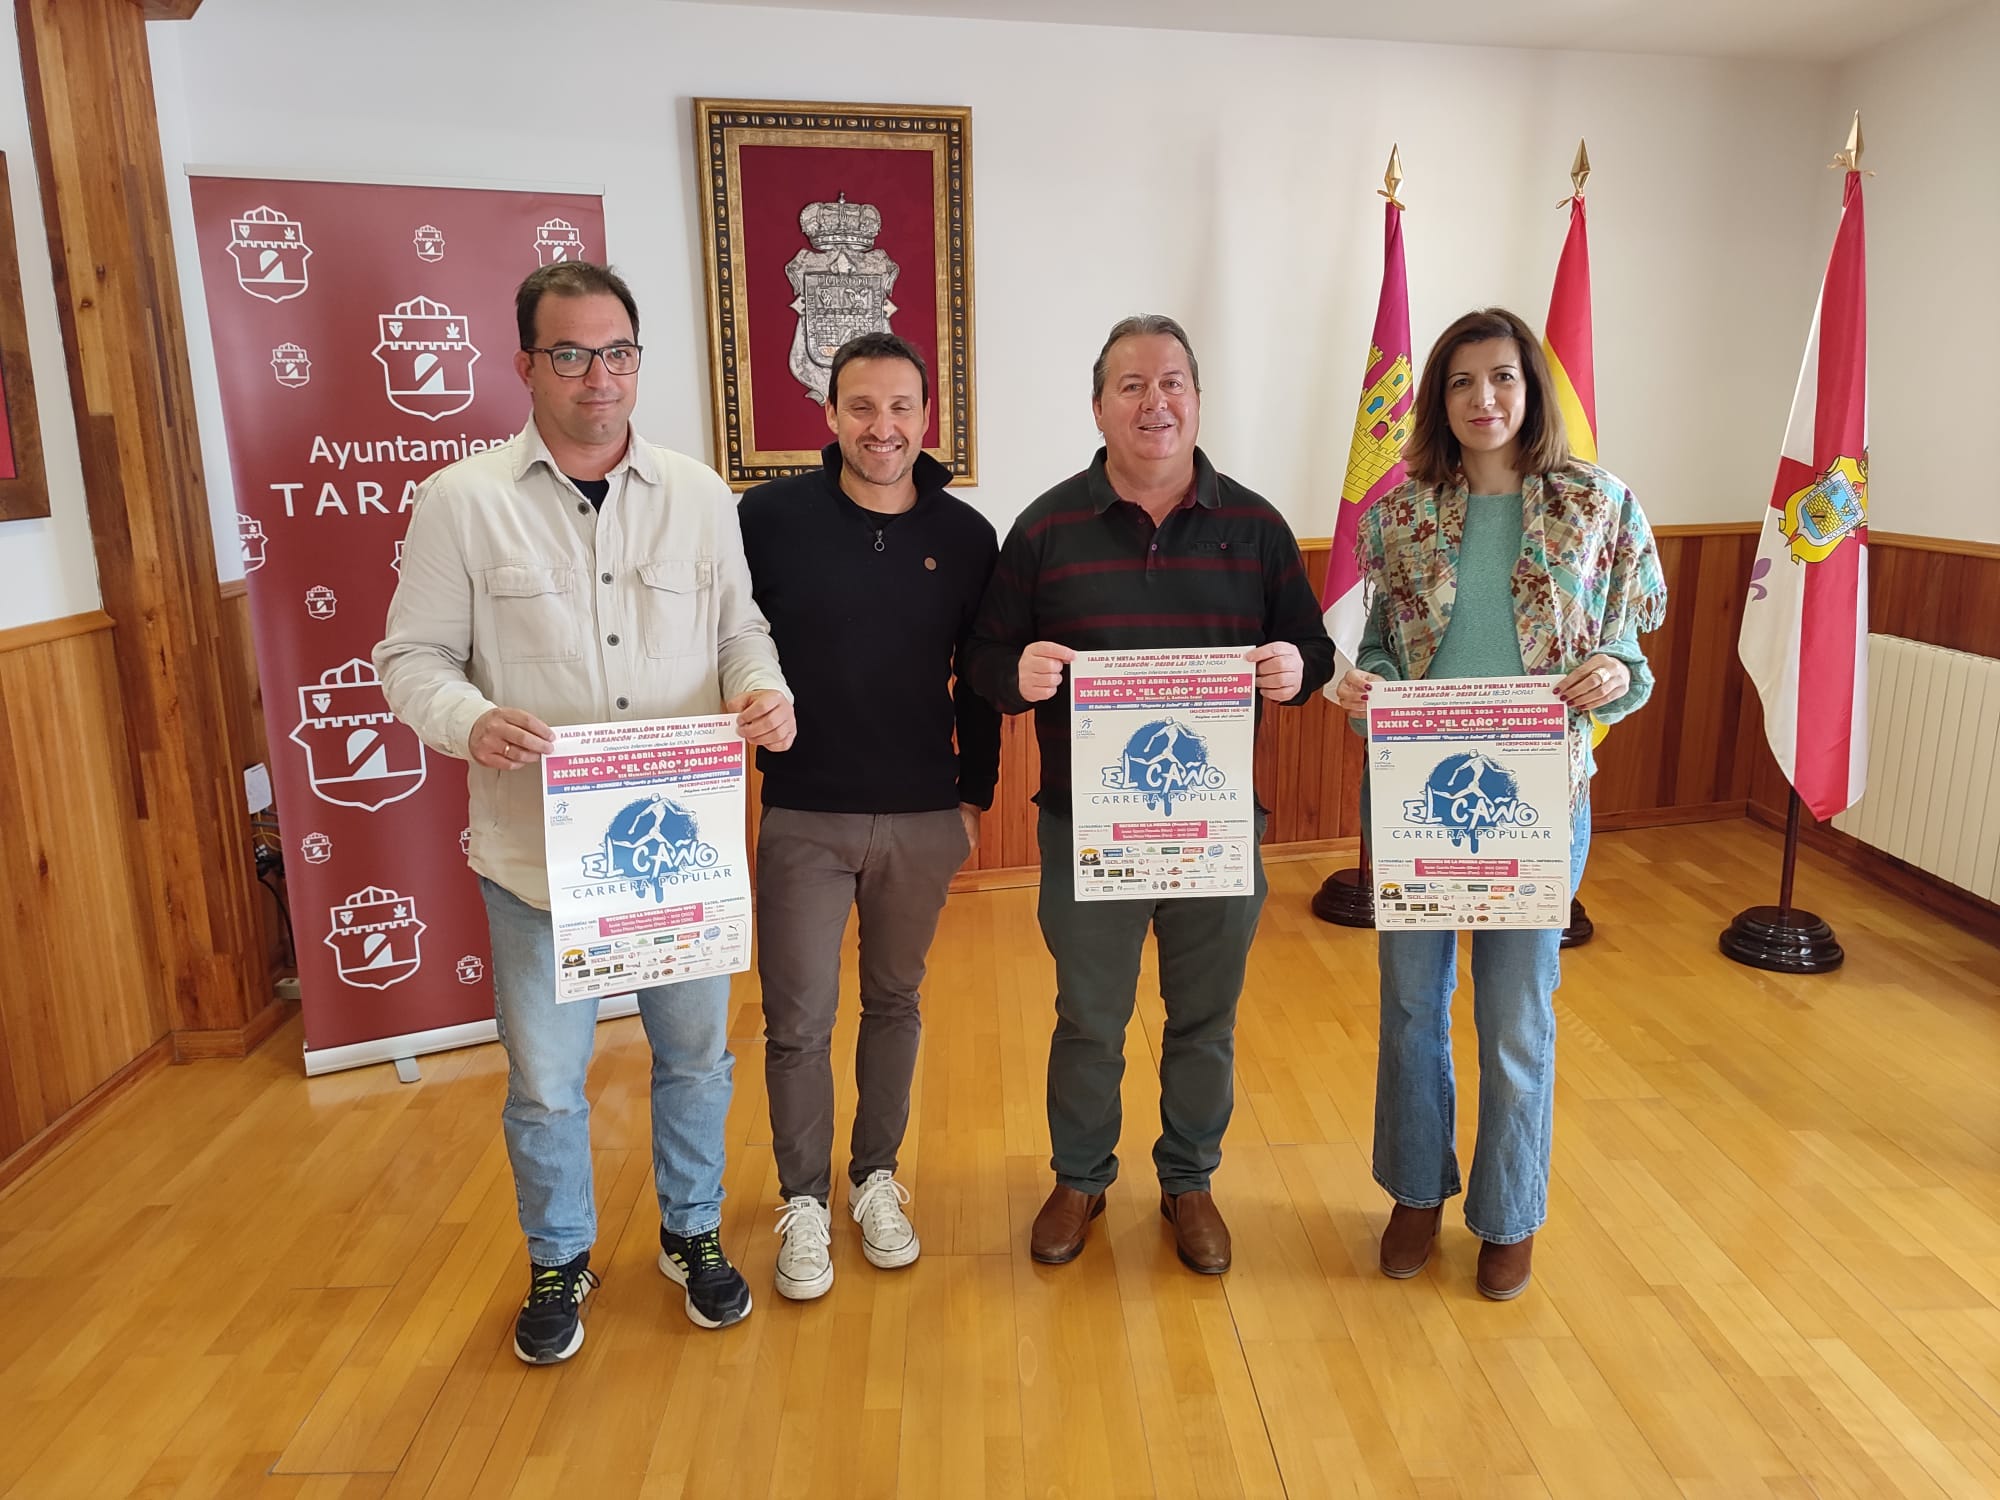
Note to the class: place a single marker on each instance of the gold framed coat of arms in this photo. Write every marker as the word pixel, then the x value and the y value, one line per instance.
pixel 821 222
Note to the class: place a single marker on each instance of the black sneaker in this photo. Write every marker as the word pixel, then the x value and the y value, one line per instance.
pixel 716 1294
pixel 550 1327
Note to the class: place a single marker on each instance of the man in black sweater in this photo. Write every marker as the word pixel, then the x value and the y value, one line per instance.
pixel 870 574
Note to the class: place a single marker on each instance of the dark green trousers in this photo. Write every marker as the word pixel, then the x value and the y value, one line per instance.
pixel 1204 945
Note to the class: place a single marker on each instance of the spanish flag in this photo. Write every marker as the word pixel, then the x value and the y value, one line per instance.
pixel 1805 625
pixel 1566 342
pixel 1381 426
pixel 1566 337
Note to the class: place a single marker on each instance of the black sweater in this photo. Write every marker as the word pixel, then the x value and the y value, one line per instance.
pixel 870 614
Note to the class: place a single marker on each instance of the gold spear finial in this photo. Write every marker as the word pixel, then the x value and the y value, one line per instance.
pixel 1579 173
pixel 1849 160
pixel 1393 178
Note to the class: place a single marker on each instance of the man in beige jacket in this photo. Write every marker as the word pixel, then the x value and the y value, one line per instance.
pixel 578 574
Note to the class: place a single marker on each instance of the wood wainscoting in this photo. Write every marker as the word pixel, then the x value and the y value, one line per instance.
pixel 1695 752
pixel 81 1006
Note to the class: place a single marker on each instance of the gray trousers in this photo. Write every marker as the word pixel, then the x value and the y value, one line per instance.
pixel 1204 947
pixel 812 869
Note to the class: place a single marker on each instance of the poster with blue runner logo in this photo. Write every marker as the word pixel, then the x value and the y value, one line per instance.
pixel 1161 744
pixel 1469 803
pixel 649 875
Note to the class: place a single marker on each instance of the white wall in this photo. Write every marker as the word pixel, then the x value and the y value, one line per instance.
pixel 1930 113
pixel 47 569
pixel 1226 179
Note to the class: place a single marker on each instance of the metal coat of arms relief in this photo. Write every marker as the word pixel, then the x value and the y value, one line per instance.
pixel 842 285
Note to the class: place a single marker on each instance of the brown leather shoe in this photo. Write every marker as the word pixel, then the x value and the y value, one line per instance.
pixel 1062 1225
pixel 1200 1236
pixel 1504 1269
pixel 1409 1239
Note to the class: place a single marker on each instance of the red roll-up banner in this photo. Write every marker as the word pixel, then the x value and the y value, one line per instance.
pixel 364 338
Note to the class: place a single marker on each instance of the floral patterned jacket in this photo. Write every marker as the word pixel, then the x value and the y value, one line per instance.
pixel 1588 574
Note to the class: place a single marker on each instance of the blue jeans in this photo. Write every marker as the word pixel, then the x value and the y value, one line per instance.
pixel 1514 978
pixel 547 1118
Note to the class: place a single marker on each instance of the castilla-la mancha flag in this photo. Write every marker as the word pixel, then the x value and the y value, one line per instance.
pixel 1375 456
pixel 1805 625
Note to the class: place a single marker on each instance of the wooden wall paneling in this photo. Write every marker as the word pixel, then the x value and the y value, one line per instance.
pixel 1943 594
pixel 242 687
pixel 91 110
pixel 1718 574
pixel 245 694
pixel 79 1000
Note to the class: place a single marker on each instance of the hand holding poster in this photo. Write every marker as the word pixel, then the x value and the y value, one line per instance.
pixel 1469 803
pixel 1161 744
pixel 649 879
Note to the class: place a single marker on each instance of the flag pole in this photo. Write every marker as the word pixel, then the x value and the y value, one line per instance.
pixel 1785 939
pixel 1580 929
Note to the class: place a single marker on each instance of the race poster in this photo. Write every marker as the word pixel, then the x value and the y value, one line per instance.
pixel 1469 799
pixel 1161 747
pixel 649 871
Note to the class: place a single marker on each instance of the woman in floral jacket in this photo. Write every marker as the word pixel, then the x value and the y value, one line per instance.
pixel 1503 556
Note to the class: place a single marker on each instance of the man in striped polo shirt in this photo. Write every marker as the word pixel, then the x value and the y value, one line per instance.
pixel 1148 548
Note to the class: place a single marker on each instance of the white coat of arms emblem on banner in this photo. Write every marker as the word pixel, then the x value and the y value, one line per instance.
pixel 270 252
pixel 292 365
pixel 358 754
pixel 427 356
pixel 375 938
pixel 250 538
pixel 843 285
pixel 429 240
pixel 558 240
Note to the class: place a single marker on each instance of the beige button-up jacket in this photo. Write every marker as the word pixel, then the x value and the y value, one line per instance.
pixel 516 592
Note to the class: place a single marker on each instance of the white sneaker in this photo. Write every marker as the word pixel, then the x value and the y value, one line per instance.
pixel 886 1236
pixel 805 1268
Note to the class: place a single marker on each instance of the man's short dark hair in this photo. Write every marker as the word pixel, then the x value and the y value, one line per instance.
pixel 1139 326
pixel 876 346
pixel 568 278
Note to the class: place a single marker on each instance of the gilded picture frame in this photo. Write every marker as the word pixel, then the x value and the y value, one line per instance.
pixel 820 221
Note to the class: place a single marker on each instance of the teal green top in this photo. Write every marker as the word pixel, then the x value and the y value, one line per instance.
pixel 1481 640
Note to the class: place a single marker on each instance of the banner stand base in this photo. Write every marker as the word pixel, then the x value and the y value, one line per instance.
pixel 404 1050
pixel 1346 898
pixel 1581 929
pixel 1783 940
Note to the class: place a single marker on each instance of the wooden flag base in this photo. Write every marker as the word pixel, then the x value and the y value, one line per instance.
pixel 1781 938
pixel 1346 898
pixel 1581 929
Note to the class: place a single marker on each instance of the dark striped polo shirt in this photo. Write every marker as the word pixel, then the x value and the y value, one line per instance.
pixel 1088 570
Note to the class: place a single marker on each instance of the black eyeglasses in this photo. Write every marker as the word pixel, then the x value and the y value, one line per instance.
pixel 573 363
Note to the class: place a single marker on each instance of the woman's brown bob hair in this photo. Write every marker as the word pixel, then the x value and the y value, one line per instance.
pixel 1433 451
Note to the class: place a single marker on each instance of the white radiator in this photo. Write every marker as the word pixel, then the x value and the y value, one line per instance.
pixel 1933 796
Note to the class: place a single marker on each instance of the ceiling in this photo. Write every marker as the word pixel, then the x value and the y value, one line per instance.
pixel 1801 30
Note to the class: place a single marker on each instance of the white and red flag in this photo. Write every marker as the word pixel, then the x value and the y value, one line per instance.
pixel 1805 624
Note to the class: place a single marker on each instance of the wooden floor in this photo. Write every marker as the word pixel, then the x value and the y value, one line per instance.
pixel 1773 1265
